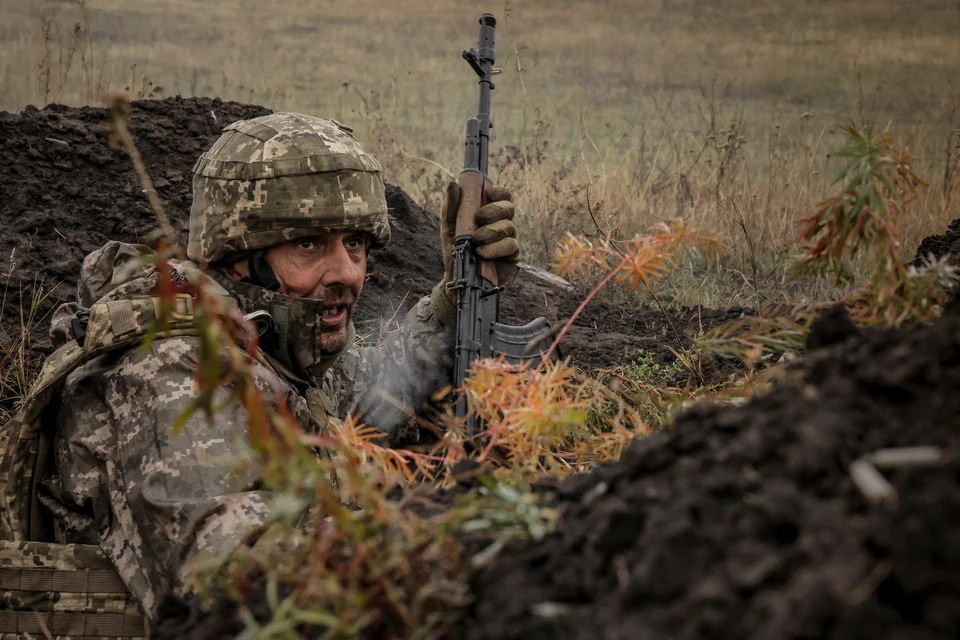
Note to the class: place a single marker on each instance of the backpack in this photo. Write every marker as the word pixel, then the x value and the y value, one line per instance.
pixel 66 590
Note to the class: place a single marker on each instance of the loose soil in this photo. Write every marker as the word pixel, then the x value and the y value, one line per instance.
pixel 743 522
pixel 939 245
pixel 65 193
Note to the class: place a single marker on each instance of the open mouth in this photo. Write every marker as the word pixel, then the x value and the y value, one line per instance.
pixel 335 315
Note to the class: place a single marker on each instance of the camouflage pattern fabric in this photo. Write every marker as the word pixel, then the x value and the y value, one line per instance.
pixel 282 177
pixel 387 384
pixel 161 506
pixel 112 325
pixel 73 589
pixel 293 326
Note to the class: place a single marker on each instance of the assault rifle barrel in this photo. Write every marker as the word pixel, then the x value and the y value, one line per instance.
pixel 481 59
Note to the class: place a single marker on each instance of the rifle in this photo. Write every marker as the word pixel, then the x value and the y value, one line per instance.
pixel 479 333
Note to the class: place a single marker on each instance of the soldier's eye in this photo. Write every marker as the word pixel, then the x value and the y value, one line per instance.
pixel 306 244
pixel 356 243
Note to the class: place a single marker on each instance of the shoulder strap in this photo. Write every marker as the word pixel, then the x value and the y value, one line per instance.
pixel 113 325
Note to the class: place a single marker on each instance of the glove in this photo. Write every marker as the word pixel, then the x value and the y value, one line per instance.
pixel 495 238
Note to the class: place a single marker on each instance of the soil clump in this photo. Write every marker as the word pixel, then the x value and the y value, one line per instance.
pixel 743 522
pixel 66 193
pixel 939 245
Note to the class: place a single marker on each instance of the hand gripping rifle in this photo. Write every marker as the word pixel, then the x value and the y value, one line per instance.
pixel 479 334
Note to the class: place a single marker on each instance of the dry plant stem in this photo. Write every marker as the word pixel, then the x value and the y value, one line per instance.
pixel 663 310
pixel 871 483
pixel 404 155
pixel 597 224
pixel 687 365
pixel 906 457
pixel 119 110
pixel 877 489
pixel 948 167
pixel 230 334
pixel 523 89
pixel 412 156
pixel 393 134
pixel 43 625
pixel 742 223
pixel 45 65
pixel 859 594
pixel 653 294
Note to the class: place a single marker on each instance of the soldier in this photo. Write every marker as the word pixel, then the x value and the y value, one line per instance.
pixel 286 208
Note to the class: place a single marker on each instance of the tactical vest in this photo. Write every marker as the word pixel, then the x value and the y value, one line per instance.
pixel 68 591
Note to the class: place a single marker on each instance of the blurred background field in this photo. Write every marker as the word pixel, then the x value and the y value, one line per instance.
pixel 609 116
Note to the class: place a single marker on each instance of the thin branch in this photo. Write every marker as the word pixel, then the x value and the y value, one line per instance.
pixel 119 111
pixel 407 154
pixel 656 298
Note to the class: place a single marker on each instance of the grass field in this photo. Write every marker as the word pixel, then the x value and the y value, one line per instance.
pixel 626 112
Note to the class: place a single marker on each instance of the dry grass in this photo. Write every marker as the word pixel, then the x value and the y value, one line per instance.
pixel 617 114
pixel 19 362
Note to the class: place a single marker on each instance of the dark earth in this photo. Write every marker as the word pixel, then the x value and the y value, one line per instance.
pixel 743 522
pixel 939 246
pixel 65 193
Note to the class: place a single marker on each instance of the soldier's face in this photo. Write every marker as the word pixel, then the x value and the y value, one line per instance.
pixel 326 267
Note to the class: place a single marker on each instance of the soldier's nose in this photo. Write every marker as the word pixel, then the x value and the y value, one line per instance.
pixel 340 268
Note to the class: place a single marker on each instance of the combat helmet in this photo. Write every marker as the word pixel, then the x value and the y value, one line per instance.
pixel 282 177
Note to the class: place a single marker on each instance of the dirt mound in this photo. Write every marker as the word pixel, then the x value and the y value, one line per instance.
pixel 941 245
pixel 65 193
pixel 743 522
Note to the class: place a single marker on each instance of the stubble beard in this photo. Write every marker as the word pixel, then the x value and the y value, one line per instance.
pixel 333 341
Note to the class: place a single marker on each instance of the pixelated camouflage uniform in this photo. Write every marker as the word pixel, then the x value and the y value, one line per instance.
pixel 159 504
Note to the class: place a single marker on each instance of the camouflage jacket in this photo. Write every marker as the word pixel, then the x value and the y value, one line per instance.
pixel 161 505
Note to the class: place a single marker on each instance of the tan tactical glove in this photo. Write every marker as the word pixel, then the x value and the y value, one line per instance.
pixel 495 238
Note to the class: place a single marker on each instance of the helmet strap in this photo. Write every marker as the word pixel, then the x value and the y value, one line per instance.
pixel 261 273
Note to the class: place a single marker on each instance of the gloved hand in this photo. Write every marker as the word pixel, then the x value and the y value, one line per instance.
pixel 495 237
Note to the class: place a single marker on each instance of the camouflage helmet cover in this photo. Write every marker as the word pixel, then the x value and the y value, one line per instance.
pixel 282 177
